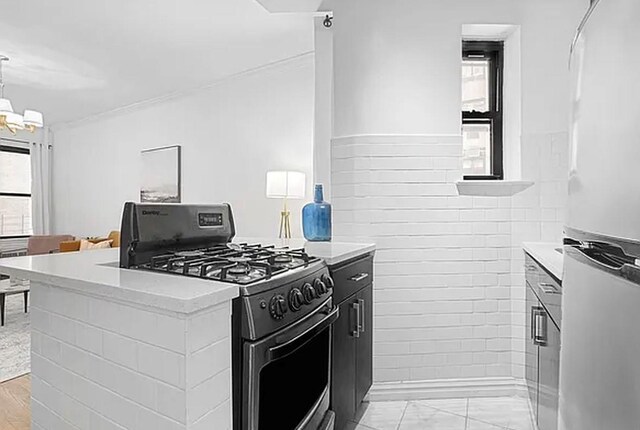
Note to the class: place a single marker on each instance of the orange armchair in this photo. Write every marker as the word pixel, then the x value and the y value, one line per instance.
pixel 74 245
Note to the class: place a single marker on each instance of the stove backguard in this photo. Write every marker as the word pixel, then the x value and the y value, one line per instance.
pixel 148 229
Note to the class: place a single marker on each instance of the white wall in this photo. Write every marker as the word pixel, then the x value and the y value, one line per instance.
pixel 537 214
pixel 401 63
pixel 231 134
pixel 449 288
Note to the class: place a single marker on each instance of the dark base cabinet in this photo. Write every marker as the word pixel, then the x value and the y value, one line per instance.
pixel 364 345
pixel 549 380
pixel 343 387
pixel 542 359
pixel 352 363
pixel 531 351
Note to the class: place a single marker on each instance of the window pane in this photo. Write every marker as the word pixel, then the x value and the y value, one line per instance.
pixel 15 216
pixel 15 173
pixel 475 85
pixel 476 147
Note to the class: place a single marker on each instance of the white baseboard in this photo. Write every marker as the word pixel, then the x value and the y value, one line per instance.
pixel 448 389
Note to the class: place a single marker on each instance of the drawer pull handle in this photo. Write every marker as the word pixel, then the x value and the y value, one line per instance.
pixel 356 332
pixel 532 335
pixel 548 288
pixel 359 277
pixel 540 327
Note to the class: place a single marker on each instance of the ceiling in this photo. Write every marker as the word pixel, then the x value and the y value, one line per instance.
pixel 73 59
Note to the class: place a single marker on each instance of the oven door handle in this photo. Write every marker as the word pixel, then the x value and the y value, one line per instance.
pixel 299 339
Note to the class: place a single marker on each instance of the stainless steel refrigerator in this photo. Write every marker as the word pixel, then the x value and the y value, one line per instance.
pixel 600 354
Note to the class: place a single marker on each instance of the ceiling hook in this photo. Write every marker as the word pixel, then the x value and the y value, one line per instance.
pixel 327 21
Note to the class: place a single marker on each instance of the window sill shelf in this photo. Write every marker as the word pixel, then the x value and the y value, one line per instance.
pixel 492 188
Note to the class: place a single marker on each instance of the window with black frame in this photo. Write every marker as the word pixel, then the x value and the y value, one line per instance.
pixel 15 192
pixel 482 71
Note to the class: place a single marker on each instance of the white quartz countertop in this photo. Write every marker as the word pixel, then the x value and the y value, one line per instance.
pixel 547 255
pixel 331 252
pixel 96 272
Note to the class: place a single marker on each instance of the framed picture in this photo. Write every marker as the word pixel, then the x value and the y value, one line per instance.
pixel 161 175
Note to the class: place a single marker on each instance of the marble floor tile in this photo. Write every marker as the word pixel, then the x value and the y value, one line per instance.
pixel 453 406
pixel 419 417
pixel 495 413
pixel 509 412
pixel 479 425
pixel 352 425
pixel 382 415
pixel 416 414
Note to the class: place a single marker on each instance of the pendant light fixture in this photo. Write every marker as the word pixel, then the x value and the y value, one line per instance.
pixel 11 120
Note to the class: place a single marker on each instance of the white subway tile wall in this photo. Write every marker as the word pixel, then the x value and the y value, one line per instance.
pixel 449 289
pixel 538 214
pixel 102 365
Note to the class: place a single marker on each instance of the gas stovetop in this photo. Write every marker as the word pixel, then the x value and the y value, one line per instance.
pixel 238 263
pixel 277 286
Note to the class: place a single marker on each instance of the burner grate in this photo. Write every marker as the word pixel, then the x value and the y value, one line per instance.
pixel 236 263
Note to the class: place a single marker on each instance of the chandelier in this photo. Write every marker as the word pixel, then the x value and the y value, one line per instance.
pixel 11 120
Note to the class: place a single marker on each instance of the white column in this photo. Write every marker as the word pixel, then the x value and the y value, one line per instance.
pixel 323 114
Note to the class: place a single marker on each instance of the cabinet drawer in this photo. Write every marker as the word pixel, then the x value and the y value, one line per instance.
pixel 547 288
pixel 550 293
pixel 351 277
pixel 531 270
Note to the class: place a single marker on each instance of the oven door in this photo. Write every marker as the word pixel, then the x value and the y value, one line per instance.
pixel 286 375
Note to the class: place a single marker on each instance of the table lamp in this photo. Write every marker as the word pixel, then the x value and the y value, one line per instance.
pixel 285 185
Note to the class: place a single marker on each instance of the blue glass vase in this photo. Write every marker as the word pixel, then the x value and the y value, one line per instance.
pixel 316 218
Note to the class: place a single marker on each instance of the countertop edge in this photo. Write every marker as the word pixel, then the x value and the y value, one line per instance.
pixel 367 249
pixel 124 295
pixel 547 256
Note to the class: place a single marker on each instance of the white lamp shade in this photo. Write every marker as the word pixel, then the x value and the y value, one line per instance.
pixel 5 107
pixel 15 120
pixel 281 184
pixel 34 118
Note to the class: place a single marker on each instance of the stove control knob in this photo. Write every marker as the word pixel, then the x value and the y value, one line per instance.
pixel 328 281
pixel 296 299
pixel 320 287
pixel 277 307
pixel 309 293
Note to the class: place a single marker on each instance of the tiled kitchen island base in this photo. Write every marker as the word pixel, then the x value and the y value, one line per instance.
pixel 494 413
pixel 100 364
pixel 115 349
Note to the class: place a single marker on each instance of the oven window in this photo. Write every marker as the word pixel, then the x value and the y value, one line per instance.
pixel 290 386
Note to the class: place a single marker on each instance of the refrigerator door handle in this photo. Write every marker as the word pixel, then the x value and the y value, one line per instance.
pixel 609 248
pixel 583 23
pixel 613 264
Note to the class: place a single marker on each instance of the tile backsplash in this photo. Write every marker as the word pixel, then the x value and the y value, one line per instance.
pixel 537 215
pixel 449 289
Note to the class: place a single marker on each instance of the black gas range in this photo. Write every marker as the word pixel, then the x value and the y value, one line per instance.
pixel 281 323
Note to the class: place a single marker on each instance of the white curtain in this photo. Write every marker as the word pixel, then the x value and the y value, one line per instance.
pixel 41 183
